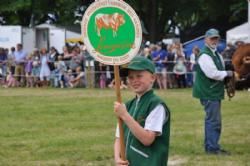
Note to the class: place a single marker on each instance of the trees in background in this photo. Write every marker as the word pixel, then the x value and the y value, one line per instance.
pixel 160 17
pixel 28 12
pixel 191 17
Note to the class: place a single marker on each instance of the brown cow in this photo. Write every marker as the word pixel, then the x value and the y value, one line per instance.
pixel 241 60
pixel 109 21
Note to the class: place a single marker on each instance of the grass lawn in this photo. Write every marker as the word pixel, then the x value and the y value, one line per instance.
pixel 71 127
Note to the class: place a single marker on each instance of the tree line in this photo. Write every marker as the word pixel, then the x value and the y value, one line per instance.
pixel 161 18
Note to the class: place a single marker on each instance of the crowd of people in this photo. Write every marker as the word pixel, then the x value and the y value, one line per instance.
pixel 74 67
pixel 43 68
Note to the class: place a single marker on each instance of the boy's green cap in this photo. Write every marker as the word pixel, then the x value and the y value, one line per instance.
pixel 139 63
pixel 212 33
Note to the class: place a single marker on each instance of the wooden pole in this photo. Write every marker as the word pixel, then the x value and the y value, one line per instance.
pixel 119 99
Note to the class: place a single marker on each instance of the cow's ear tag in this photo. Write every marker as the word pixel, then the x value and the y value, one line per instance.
pixel 111 31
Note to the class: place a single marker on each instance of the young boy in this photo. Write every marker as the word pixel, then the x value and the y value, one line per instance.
pixel 146 119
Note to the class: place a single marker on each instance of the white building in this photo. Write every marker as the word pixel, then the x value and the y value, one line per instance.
pixel 48 35
pixel 40 36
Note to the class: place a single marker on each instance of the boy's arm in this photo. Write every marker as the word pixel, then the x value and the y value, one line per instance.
pixel 117 158
pixel 117 149
pixel 146 137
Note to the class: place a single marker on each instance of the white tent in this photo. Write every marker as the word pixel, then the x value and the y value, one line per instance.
pixel 240 33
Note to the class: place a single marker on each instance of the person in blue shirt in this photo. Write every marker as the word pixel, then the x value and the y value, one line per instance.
pixel 3 62
pixel 19 58
pixel 159 57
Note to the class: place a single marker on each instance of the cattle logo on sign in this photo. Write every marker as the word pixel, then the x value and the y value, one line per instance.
pixel 111 31
pixel 113 21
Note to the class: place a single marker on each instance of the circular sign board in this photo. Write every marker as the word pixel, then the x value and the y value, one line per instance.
pixel 111 31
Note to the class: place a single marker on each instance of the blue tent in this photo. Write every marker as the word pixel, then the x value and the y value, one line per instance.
pixel 188 46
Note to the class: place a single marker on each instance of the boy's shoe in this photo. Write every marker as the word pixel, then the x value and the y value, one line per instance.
pixel 219 152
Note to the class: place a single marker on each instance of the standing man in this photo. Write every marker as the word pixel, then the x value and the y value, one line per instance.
pixel 19 58
pixel 209 88
pixel 11 62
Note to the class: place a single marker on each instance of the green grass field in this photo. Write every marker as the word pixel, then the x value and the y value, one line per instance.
pixel 75 127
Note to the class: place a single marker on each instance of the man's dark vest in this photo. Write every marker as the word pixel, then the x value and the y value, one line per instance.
pixel 204 87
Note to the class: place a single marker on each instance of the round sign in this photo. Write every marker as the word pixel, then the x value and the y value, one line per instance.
pixel 111 32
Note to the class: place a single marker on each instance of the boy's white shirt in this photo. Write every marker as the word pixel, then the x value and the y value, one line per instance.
pixel 154 121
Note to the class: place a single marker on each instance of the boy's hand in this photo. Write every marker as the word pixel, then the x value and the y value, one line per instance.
pixel 120 110
pixel 120 162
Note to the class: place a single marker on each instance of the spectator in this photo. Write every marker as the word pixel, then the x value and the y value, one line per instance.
pixel 10 80
pixel 36 67
pixel 66 53
pixel 3 63
pixel 193 60
pixel 180 71
pixel 164 68
pixel 76 59
pixel 28 71
pixel 239 43
pixel 89 68
pixel 147 53
pixel 45 71
pixel 11 62
pixel 66 56
pixel 102 76
pixel 178 47
pixel 68 77
pixel 20 57
pixel 78 81
pixel 170 66
pixel 53 57
pixel 158 57
pixel 61 69
pixel 109 74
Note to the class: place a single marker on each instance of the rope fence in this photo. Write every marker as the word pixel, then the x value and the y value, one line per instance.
pixel 92 74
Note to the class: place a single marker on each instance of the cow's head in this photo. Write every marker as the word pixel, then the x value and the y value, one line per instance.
pixel 241 60
pixel 120 19
pixel 246 59
pixel 246 55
